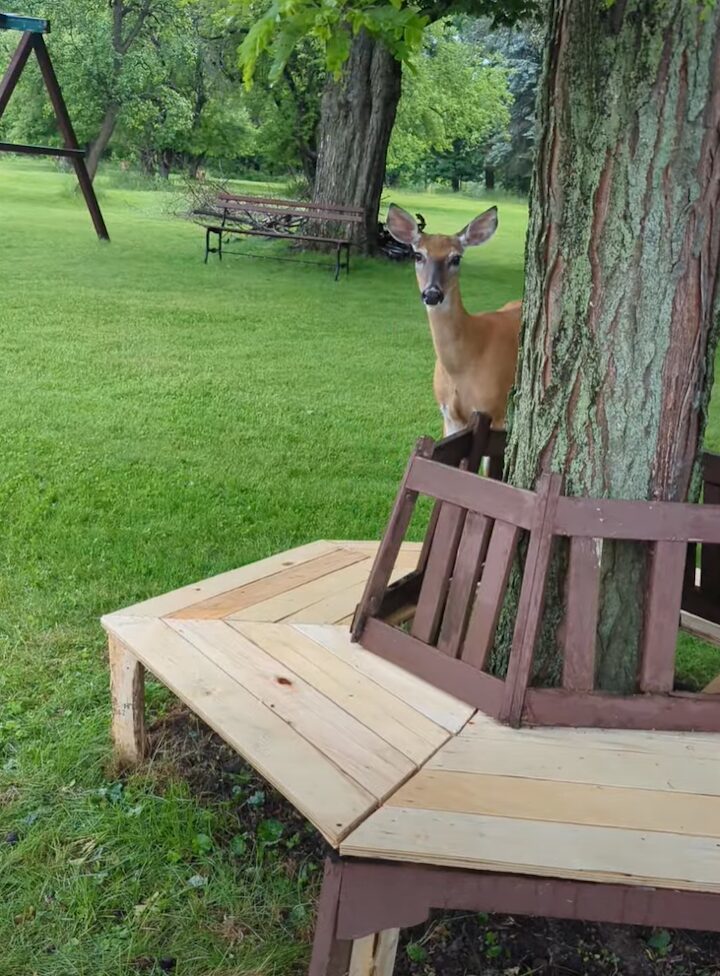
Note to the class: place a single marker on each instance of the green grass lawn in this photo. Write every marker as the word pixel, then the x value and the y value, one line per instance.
pixel 163 421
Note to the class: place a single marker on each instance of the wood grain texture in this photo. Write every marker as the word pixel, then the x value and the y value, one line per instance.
pixel 359 751
pixel 396 722
pixel 556 850
pixel 185 596
pixel 318 788
pixel 435 704
pixel 127 692
pixel 242 597
pixel 572 803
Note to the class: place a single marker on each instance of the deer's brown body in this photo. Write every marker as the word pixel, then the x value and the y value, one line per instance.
pixel 476 354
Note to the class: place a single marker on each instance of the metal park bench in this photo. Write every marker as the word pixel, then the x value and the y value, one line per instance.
pixel 439 784
pixel 277 219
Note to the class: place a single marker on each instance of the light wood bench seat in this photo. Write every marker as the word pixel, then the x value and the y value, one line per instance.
pixel 391 769
pixel 630 807
pixel 386 765
pixel 258 655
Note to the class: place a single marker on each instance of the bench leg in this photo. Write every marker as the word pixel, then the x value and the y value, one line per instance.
pixel 207 244
pixel 347 260
pixel 337 262
pixel 375 954
pixel 127 689
pixel 371 955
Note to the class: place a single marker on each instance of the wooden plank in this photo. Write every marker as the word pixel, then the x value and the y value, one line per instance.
pixel 441 708
pixel 436 579
pixel 483 495
pixel 581 613
pixel 242 597
pixel 386 947
pixel 490 594
pixel 574 803
pixel 655 744
pixel 713 687
pixel 455 677
pixel 374 955
pixel 699 627
pixel 342 603
pixel 186 596
pixel 547 849
pixel 662 617
pixel 470 556
pixel 532 600
pixel 675 712
pixel 393 536
pixel 533 759
pixel 604 518
pixel 359 751
pixel 392 719
pixel 127 691
pixel 321 791
pixel 287 604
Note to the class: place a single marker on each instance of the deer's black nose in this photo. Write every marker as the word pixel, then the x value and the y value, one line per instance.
pixel 432 295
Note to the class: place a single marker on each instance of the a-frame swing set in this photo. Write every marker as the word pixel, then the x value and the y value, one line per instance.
pixel 32 39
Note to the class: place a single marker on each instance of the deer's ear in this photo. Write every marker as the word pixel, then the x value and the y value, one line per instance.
pixel 479 230
pixel 402 225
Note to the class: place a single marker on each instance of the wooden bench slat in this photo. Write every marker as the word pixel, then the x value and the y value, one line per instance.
pixel 490 593
pixel 581 614
pixel 662 616
pixel 470 556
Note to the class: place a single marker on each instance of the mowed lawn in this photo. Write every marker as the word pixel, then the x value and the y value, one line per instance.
pixel 163 421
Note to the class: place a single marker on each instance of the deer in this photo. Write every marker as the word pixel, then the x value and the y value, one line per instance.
pixel 476 355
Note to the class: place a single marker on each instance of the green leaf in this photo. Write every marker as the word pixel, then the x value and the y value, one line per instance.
pixel 416 952
pixel 238 845
pixel 202 844
pixel 660 941
pixel 270 831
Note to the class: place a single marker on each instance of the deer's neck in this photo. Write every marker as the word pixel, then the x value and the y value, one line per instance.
pixel 454 332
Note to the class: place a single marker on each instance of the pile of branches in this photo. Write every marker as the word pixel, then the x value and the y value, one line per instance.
pixel 393 249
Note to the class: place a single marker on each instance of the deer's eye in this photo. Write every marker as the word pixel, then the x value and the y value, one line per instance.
pixel 454 261
pixel 419 258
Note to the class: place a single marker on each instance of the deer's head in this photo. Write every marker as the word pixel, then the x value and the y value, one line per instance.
pixel 438 256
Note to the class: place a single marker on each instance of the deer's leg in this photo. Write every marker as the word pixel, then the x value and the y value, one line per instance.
pixel 127 689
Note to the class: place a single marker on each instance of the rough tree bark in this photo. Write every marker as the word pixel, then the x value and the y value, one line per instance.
pixel 621 299
pixel 357 116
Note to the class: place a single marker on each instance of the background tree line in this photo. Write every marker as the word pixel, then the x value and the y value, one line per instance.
pixel 159 83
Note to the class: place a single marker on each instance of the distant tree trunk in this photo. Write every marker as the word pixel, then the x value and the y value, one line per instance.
pixel 102 140
pixel 621 302
pixel 489 177
pixel 455 183
pixel 357 116
pixel 167 158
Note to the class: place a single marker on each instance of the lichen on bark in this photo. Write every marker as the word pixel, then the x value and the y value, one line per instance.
pixel 621 300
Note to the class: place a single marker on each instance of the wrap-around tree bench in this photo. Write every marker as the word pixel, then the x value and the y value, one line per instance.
pixel 438 784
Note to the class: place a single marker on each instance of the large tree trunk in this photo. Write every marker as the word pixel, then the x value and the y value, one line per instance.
pixel 621 300
pixel 100 144
pixel 356 121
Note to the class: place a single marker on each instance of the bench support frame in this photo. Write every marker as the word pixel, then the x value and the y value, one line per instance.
pixel 361 899
pixel 340 262
pixel 127 690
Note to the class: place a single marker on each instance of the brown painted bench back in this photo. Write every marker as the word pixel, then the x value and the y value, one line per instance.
pixel 440 621
pixel 239 207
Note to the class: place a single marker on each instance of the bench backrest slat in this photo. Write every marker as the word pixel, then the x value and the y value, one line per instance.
pixel 291 208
